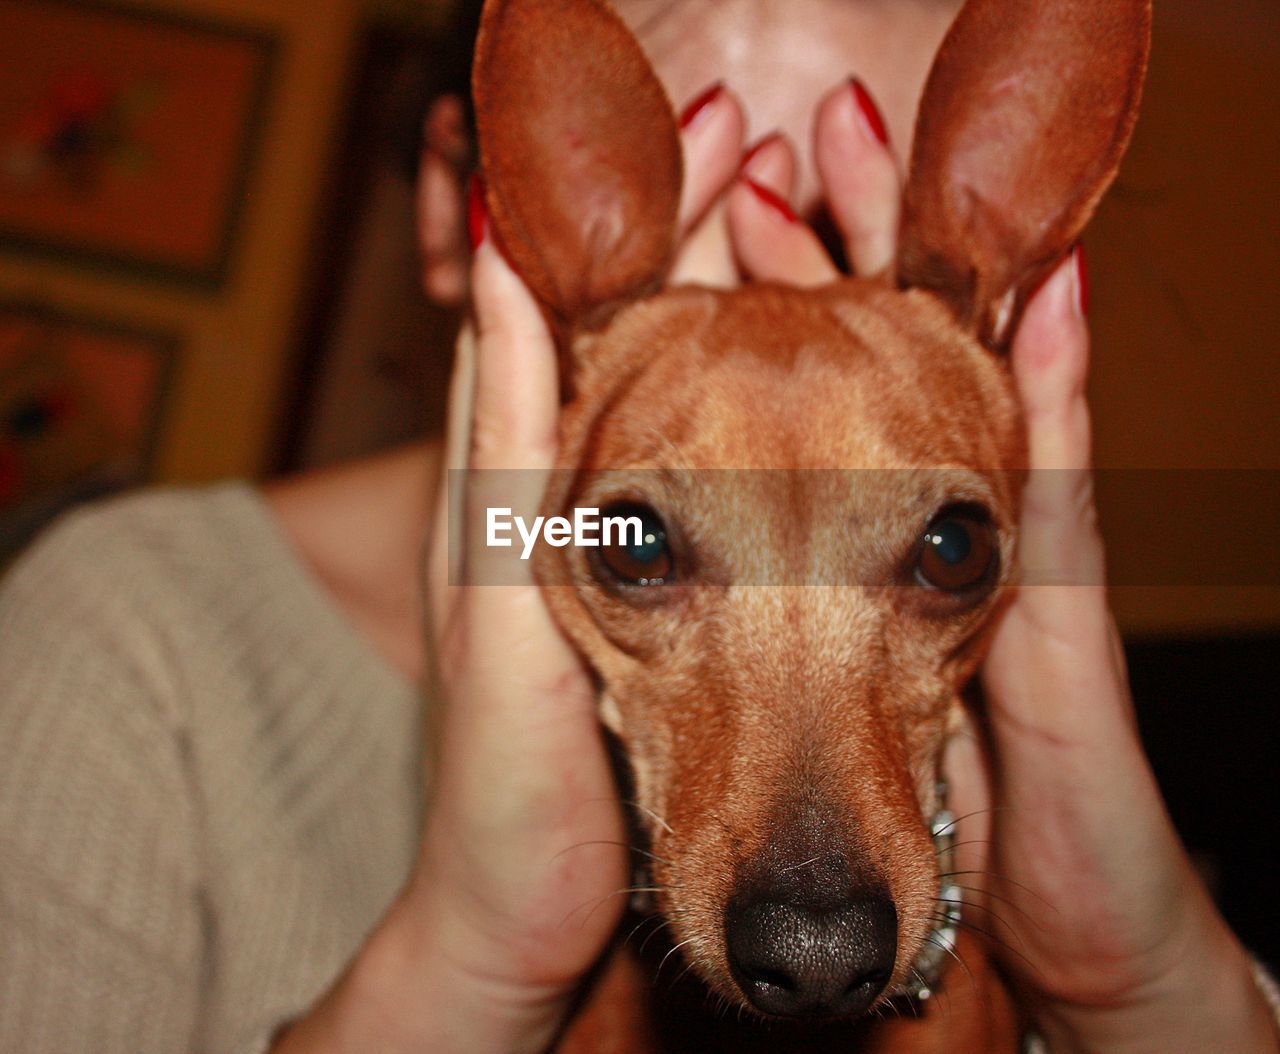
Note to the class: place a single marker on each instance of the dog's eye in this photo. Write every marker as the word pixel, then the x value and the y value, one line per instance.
pixel 958 552
pixel 637 557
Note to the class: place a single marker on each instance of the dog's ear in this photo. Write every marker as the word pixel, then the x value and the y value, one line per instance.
pixel 580 152
pixel 1025 116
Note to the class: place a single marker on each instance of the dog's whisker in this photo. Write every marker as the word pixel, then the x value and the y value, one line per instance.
pixel 973 981
pixel 710 1003
pixel 1002 943
pixel 995 918
pixel 610 841
pixel 981 931
pixel 651 855
pixel 687 967
pixel 976 812
pixel 645 943
pixel 980 891
pixel 651 814
pixel 967 841
pixel 915 1008
pixel 804 863
pixel 643 922
pixel 1001 878
pixel 991 913
pixel 675 948
pixel 598 901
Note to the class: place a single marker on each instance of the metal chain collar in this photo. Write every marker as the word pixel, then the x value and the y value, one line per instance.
pixel 940 944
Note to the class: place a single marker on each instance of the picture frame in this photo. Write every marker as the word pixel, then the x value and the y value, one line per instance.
pixel 97 163
pixel 82 404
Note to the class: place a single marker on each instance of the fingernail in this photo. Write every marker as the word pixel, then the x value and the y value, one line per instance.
pixel 872 121
pixel 771 200
pixel 754 151
pixel 477 213
pixel 1082 281
pixel 690 113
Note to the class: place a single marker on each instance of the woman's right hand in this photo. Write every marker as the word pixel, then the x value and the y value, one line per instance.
pixel 523 869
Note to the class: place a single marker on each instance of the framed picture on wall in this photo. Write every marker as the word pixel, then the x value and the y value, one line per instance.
pixel 127 137
pixel 81 403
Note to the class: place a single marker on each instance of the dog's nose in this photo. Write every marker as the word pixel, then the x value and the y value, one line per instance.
pixel 796 960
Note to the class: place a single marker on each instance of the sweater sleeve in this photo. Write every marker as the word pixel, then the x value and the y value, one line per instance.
pixel 101 937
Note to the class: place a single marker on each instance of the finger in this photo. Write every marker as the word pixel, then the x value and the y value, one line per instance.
pixel 707 256
pixel 859 175
pixel 712 127
pixel 1050 359
pixel 516 404
pixel 772 163
pixel 1055 661
pixel 515 412
pixel 771 243
pixel 711 131
pixel 499 646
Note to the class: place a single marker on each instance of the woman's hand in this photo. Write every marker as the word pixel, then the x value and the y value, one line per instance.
pixel 1101 916
pixel 1122 948
pixel 524 866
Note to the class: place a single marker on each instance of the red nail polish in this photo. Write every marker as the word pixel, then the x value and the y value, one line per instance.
pixel 751 153
pixel 771 199
pixel 690 113
pixel 870 112
pixel 477 212
pixel 1082 278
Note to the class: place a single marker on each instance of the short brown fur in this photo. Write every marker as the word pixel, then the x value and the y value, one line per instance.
pixel 767 707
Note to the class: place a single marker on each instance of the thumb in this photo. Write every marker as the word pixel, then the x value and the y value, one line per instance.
pixel 1055 661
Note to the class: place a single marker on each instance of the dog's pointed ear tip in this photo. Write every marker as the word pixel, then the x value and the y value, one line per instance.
pixel 982 213
pixel 586 207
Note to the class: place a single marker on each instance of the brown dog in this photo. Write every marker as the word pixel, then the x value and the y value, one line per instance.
pixel 782 652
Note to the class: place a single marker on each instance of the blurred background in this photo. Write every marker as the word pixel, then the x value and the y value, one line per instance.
pixel 208 268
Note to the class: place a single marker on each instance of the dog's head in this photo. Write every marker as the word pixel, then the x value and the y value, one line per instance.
pixel 781 651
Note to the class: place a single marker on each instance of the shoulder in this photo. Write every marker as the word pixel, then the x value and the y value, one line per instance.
pixel 123 574
pixel 136 539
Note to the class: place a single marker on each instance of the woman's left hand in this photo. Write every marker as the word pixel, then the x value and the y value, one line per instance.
pixel 1109 932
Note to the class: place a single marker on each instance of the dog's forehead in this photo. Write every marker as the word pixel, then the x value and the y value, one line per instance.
pixel 852 375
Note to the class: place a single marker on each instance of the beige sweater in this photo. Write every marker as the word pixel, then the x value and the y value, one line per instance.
pixel 208 781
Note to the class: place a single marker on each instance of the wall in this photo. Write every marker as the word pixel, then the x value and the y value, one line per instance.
pixel 1186 325
pixel 235 340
